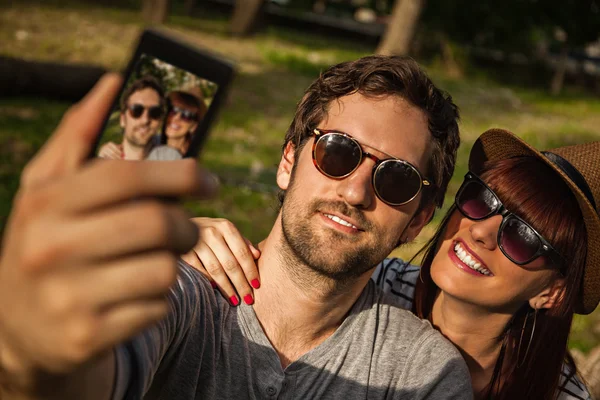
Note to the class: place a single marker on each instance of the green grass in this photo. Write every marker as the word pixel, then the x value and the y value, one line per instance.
pixel 275 67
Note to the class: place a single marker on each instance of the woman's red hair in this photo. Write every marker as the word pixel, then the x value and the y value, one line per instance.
pixel 533 191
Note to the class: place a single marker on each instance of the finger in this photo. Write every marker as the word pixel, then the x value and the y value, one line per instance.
pixel 192 260
pixel 112 233
pixel 238 247
pixel 130 279
pixel 72 141
pixel 226 257
pixel 105 182
pixel 125 321
pixel 255 252
pixel 214 268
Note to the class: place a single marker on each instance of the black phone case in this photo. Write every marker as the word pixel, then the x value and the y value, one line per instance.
pixel 200 62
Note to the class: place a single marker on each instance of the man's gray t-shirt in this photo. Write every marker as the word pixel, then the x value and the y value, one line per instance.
pixel 207 349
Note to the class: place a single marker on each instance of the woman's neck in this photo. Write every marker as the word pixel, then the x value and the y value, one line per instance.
pixel 475 332
pixel 179 143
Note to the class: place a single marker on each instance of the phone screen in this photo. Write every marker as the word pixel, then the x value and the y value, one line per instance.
pixel 157 114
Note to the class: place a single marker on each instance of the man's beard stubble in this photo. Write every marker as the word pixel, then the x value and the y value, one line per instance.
pixel 134 139
pixel 323 252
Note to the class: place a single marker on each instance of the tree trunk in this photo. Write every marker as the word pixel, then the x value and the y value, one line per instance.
pixel 401 27
pixel 558 79
pixel 451 66
pixel 246 16
pixel 155 11
pixel 189 6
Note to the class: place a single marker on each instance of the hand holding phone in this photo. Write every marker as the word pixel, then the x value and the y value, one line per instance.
pixel 82 268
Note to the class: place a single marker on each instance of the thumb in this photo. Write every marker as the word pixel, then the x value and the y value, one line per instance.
pixel 255 252
pixel 73 140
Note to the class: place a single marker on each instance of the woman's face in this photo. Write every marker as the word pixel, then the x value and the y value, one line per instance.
pixel 499 285
pixel 177 124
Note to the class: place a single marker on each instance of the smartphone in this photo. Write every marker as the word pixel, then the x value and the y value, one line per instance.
pixel 170 97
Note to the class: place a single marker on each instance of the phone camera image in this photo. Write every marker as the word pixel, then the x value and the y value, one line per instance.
pixel 158 113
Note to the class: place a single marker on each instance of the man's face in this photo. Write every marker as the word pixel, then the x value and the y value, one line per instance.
pixel 138 131
pixel 369 228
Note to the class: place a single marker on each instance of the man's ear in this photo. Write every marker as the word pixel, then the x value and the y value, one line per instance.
pixel 286 164
pixel 549 297
pixel 122 120
pixel 417 223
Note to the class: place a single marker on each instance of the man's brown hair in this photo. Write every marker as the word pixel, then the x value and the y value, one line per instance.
pixel 376 76
pixel 145 82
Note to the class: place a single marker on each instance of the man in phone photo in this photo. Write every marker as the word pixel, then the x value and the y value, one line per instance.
pixel 142 112
pixel 102 308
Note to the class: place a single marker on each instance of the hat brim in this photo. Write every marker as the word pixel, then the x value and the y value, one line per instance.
pixel 499 144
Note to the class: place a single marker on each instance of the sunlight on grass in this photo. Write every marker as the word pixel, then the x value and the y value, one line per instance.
pixel 275 67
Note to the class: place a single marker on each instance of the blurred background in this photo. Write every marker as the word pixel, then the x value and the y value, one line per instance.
pixel 531 66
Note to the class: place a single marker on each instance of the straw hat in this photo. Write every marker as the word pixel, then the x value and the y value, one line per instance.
pixel 579 167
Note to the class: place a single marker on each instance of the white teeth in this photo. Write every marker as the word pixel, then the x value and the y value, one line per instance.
pixel 469 261
pixel 340 221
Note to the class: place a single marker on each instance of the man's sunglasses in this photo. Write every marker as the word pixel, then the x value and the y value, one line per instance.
pixel 517 240
pixel 337 155
pixel 137 110
pixel 184 114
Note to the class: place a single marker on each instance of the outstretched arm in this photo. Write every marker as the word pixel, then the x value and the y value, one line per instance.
pixel 84 268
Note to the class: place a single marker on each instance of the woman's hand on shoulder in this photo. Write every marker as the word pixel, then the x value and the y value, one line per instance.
pixel 226 258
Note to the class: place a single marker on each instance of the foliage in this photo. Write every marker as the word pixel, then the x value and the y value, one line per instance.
pixel 514 24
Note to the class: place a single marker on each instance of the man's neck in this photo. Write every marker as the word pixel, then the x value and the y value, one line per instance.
pixel 297 308
pixel 131 152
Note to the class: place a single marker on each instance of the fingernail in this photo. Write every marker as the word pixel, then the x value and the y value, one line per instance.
pixel 213 284
pixel 248 299
pixel 255 283
pixel 234 300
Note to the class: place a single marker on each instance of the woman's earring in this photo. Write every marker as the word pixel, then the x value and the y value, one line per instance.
pixel 520 362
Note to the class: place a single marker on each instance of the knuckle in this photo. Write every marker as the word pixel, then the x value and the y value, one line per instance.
pixel 213 268
pixel 228 227
pixel 45 254
pixel 29 202
pixel 243 253
pixel 230 266
pixel 81 336
pixel 210 233
pixel 58 300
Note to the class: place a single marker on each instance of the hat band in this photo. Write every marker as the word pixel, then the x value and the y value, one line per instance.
pixel 573 174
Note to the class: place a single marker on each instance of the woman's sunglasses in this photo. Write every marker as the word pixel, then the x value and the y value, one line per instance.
pixel 137 110
pixel 517 240
pixel 337 155
pixel 184 114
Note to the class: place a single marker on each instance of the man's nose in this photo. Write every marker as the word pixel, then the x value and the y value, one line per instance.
pixel 357 189
pixel 145 118
pixel 485 232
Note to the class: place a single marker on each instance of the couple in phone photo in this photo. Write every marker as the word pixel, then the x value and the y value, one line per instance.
pixel 103 307
pixel 155 125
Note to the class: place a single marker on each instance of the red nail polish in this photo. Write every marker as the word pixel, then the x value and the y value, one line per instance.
pixel 234 300
pixel 248 299
pixel 255 283
pixel 213 284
